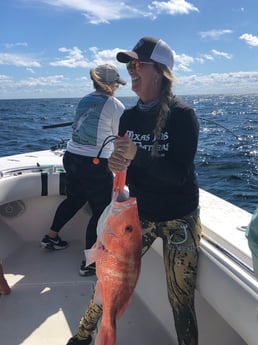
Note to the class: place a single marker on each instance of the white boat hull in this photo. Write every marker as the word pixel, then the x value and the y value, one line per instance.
pixel 48 296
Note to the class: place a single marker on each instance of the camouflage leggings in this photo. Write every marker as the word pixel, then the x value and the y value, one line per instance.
pixel 181 240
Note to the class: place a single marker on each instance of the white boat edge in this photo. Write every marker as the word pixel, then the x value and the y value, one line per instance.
pixel 227 291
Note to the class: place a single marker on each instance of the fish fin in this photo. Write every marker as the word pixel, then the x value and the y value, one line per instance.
pixel 92 254
pixel 106 335
pixel 97 294
pixel 123 309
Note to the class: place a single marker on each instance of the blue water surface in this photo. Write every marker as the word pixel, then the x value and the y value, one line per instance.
pixel 227 157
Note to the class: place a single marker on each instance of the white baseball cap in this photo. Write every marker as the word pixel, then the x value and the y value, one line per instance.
pixel 149 48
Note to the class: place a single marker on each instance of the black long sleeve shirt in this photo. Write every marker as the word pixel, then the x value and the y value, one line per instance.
pixel 165 186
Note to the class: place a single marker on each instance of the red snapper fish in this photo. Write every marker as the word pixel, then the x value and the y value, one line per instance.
pixel 117 253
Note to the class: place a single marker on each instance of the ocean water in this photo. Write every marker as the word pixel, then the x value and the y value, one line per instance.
pixel 227 157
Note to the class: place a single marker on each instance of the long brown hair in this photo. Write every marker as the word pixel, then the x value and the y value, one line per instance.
pixel 166 100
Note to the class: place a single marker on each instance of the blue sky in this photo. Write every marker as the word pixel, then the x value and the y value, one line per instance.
pixel 48 46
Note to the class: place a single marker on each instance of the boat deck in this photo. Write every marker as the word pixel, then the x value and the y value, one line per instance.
pixel 45 304
pixel 48 296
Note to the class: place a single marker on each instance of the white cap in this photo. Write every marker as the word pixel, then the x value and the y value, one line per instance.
pixel 149 48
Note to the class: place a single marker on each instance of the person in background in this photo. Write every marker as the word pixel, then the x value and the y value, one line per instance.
pixel 4 287
pixel 252 237
pixel 87 180
pixel 158 153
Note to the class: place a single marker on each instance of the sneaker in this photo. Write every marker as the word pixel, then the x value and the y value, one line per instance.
pixel 75 341
pixel 4 287
pixel 87 270
pixel 53 243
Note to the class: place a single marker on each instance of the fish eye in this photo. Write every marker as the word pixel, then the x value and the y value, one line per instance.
pixel 128 228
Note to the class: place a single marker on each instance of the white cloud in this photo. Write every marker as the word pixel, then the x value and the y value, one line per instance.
pixel 222 54
pixel 17 44
pixel 182 67
pixel 53 86
pixel 234 82
pixel 183 62
pixel 250 39
pixel 100 11
pixel 173 7
pixel 113 11
pixel 5 79
pixel 208 57
pixel 42 81
pixel 105 11
pixel 49 86
pixel 200 60
pixel 30 70
pixel 18 60
pixel 214 34
pixel 75 57
pixel 204 57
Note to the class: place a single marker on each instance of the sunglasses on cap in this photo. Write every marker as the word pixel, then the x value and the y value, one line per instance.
pixel 137 64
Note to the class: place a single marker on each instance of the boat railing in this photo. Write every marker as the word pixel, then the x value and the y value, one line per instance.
pixel 238 268
pixel 39 168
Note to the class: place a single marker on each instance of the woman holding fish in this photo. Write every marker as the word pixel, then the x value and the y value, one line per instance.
pixel 157 145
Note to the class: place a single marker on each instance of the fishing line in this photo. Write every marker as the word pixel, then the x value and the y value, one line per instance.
pixel 240 140
pixel 219 125
pixel 243 146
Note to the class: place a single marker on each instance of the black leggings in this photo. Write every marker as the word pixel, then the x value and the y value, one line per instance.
pixel 85 182
pixel 181 240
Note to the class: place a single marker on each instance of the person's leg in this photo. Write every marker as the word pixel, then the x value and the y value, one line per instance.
pixel 91 236
pixel 65 211
pixel 90 319
pixel 181 239
pixel 76 196
pixel 75 199
pixel 99 189
pixel 88 324
pixel 98 202
pixel 4 287
pixel 149 231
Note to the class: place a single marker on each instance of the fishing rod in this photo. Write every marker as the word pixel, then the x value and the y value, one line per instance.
pixel 63 124
pixel 219 125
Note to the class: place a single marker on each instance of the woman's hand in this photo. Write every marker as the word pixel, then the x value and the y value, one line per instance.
pixel 125 147
pixel 124 152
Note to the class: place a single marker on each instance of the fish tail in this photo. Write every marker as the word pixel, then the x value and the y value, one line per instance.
pixel 106 335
